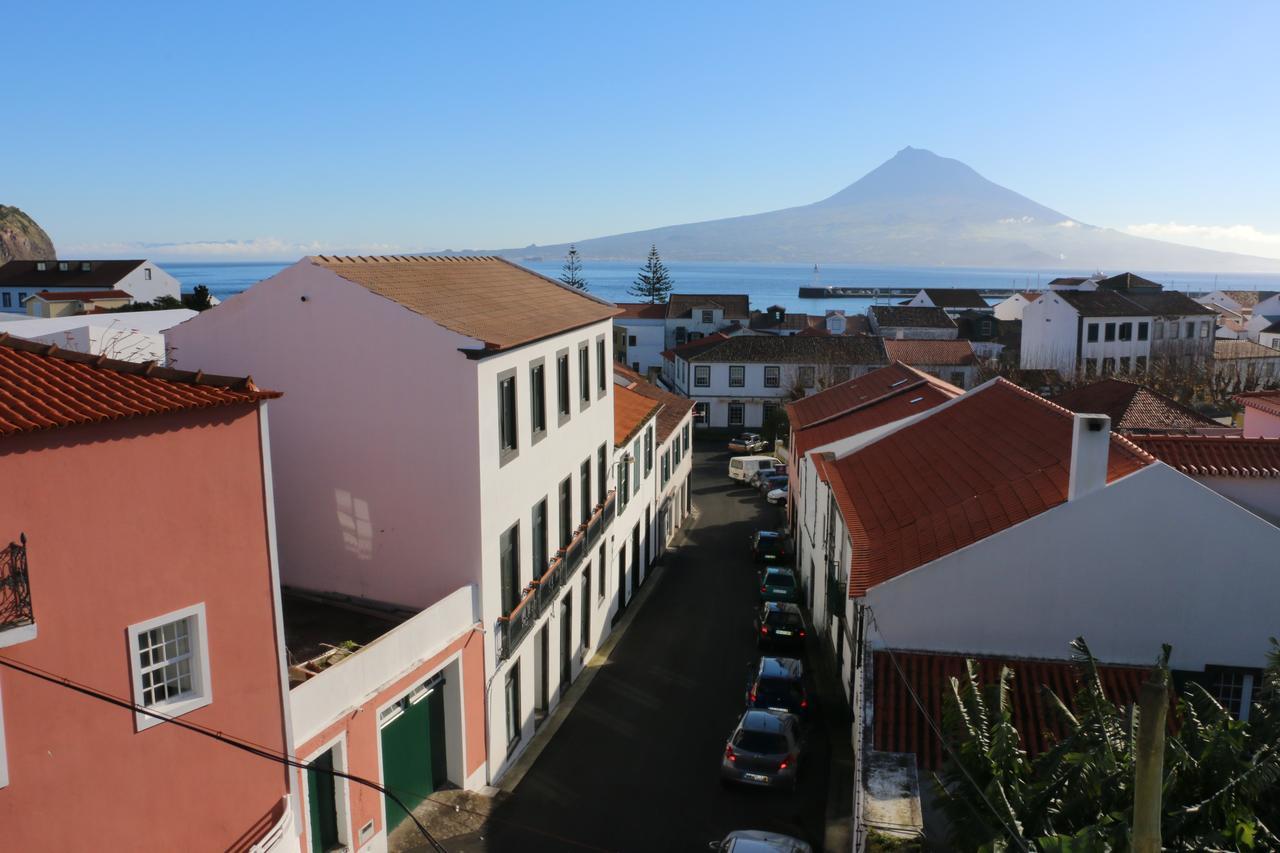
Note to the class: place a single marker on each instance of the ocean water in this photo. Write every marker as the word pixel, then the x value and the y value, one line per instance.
pixel 767 284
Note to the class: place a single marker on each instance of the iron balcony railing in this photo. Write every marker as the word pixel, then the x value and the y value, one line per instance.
pixel 515 626
pixel 837 596
pixel 15 590
pixel 610 508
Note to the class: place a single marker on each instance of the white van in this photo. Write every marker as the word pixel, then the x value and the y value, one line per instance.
pixel 742 468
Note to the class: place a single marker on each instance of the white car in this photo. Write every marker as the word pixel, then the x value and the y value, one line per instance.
pixel 777 496
pixel 758 841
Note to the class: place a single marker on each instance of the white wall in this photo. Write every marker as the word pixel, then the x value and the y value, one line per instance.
pixel 1011 308
pixel 1049 332
pixel 650 341
pixel 1112 567
pixel 1259 495
pixel 144 289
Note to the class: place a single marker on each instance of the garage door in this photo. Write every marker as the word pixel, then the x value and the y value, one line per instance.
pixel 413 751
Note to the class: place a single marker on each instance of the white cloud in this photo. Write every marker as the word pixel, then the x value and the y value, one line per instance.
pixel 1068 223
pixel 1225 238
pixel 257 249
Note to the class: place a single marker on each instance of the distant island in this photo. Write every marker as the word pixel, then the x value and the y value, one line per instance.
pixel 21 239
pixel 916 209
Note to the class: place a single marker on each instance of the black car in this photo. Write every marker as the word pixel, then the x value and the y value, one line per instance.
pixel 779 686
pixel 780 626
pixel 767 484
pixel 770 546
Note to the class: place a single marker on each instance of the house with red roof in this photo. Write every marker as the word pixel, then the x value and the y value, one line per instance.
pixel 1261 413
pixel 139 608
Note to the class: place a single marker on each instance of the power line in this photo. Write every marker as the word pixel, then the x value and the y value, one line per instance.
pixel 239 743
pixel 937 730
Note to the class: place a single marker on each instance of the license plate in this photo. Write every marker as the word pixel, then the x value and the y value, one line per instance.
pixel 755 777
pixel 782 633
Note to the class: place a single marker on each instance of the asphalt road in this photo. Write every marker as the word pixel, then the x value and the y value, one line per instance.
pixel 635 767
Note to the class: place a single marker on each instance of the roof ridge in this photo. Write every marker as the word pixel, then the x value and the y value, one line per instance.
pixel 1115 436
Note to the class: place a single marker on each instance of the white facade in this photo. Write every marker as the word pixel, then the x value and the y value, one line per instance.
pixel 1012 307
pixel 145 283
pixel 131 336
pixel 646 339
pixel 1056 337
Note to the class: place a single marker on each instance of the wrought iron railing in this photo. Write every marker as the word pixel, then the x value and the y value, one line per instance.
pixel 610 508
pixel 515 626
pixel 15 590
pixel 837 597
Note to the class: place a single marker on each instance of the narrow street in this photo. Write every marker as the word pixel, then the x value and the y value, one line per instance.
pixel 635 767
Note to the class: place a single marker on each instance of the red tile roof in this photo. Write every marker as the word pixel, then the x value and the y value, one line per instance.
pixel 642 310
pixel 898 725
pixel 674 407
pixel 42 387
pixel 81 295
pixel 1133 407
pixel 1215 455
pixel 736 306
pixel 691 348
pixel 490 299
pixel 1263 401
pixel 977 465
pixel 957 353
pixel 630 412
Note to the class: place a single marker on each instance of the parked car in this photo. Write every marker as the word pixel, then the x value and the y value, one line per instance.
pixel 779 584
pixel 778 685
pixel 743 468
pixel 781 626
pixel 770 546
pixel 778 495
pixel 764 749
pixel 748 442
pixel 768 482
pixel 778 468
pixel 758 841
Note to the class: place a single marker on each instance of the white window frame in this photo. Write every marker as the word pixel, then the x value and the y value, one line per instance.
pixel 202 686
pixel 702 379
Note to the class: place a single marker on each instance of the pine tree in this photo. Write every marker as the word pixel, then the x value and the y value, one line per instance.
pixel 653 283
pixel 572 274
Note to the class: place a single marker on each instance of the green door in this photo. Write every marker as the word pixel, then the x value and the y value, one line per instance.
pixel 323 812
pixel 406 757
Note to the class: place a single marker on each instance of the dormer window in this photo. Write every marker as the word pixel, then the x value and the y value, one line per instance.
pixel 708 316
pixel 85 266
pixel 63 266
pixel 41 266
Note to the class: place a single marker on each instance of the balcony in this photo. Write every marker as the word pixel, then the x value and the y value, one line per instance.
pixel 837 597
pixel 17 619
pixel 515 626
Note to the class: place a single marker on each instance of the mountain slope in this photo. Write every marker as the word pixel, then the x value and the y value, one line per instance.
pixel 916 209
pixel 21 239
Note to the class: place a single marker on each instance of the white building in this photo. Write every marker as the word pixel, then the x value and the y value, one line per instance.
pixel 1251 366
pixel 1245 471
pixel 912 322
pixel 952 361
pixel 953 300
pixel 1011 308
pixel 740 381
pixel 130 336
pixel 645 326
pixel 450 421
pixel 1263 329
pixel 691 316
pixel 1094 333
pixel 1240 301
pixel 142 280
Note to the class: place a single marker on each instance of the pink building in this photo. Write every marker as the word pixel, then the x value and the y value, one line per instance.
pixel 147 574
pixel 1261 414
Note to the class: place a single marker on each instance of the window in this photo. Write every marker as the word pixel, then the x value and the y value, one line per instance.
pixel 1124 364
pixel 63 266
pixel 513 706
pixel 602 375
pixel 1141 364
pixel 1108 366
pixel 1126 331
pixel 772 376
pixel 1191 329
pixel 600 569
pixel 322 803
pixel 22 297
pixel 540 556
pixel 584 374
pixel 566 510
pixel 686 438
pixel 737 375
pixel 1142 331
pixel 1092 334
pixel 675 451
pixel 538 397
pixel 624 483
pixel 8 299
pixel 631 340
pixel 1110 334
pixel 635 467
pixel 702 376
pixel 146 273
pixel 508 444
pixel 562 384
pixel 735 414
pixel 1158 328
pixel 1090 368
pixel 586 608
pixel 841 373
pixel 1234 691
pixel 767 410
pixel 648 450
pixel 169 660
pixel 682 335
pixel 1174 329
pixel 708 316
pixel 806 377
pixel 509 566
pixel 957 378
pixel 666 467
pixel 41 266
pixel 602 471
pixel 584 490
pixel 1204 328
pixel 701 413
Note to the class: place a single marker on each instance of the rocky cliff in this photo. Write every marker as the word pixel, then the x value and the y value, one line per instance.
pixel 21 239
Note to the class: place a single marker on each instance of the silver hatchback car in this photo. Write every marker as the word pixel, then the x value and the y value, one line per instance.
pixel 764 750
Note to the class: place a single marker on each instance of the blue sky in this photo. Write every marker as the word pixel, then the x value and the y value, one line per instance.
pixel 394 126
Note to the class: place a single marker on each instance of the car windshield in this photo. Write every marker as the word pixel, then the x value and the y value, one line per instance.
pixel 777 691
pixel 783 619
pixel 782 579
pixel 765 743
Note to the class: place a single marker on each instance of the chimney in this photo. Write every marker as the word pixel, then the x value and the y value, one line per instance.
pixel 1090 448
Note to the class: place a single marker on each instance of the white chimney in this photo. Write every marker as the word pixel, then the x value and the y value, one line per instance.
pixel 1090 447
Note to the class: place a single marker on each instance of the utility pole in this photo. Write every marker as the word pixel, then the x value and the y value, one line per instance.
pixel 1153 704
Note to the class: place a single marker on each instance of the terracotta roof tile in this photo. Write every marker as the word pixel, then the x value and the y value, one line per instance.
pixel 916 317
pixel 490 299
pixel 858 393
pixel 795 349
pixel 630 412
pixel 1101 303
pixel 1133 407
pixel 688 350
pixel 898 725
pixel 1263 401
pixel 736 306
pixel 42 387
pixel 956 353
pixel 674 407
pixel 922 491
pixel 1215 455
pixel 1225 350
pixel 956 297
pixel 642 311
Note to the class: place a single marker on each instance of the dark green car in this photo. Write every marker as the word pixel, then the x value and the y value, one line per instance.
pixel 777 584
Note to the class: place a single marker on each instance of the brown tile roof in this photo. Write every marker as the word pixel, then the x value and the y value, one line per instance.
pixel 690 349
pixel 1133 407
pixel 1215 455
pixel 487 298
pixel 1129 281
pixel 642 310
pixel 1170 303
pixel 956 297
pixel 81 295
pixel 1101 303
pixel 100 274
pixel 766 321
pixel 737 306
pixel 912 317
pixel 899 726
pixel 795 349
pixel 975 466
pixel 1263 401
pixel 1227 350
pixel 1068 281
pixel 952 353
pixel 631 411
pixel 43 387
pixel 674 407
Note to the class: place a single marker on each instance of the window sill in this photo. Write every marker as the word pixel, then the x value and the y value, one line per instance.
pixel 171 710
